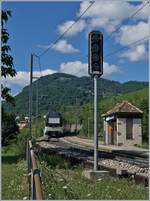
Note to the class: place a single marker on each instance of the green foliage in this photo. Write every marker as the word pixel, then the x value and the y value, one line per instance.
pixel 62 183
pixel 53 161
pixel 58 91
pixel 7 60
pixel 9 128
pixel 138 98
pixel 7 68
pixel 21 141
pixel 24 135
pixel 14 180
pixel 6 96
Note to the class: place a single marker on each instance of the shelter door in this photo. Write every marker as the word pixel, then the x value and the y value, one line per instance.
pixel 129 128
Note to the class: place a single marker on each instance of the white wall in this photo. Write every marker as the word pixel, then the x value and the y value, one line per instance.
pixel 121 130
pixel 137 132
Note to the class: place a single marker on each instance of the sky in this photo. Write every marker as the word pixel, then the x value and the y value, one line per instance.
pixel 34 26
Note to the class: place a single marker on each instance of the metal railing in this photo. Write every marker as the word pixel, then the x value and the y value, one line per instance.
pixel 35 187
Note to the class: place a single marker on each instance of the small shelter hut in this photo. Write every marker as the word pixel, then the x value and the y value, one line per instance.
pixel 123 125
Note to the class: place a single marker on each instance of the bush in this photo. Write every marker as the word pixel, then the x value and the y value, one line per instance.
pixel 22 140
pixel 10 128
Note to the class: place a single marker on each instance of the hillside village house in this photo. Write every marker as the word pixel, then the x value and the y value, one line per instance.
pixel 122 125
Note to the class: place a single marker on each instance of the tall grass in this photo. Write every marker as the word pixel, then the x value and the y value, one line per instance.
pixel 60 181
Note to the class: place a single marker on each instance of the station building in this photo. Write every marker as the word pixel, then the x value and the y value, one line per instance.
pixel 123 125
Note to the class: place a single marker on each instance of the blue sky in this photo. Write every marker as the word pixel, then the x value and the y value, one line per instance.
pixel 36 25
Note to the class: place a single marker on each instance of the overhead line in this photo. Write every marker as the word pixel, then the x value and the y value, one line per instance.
pixel 62 35
pixel 119 25
pixel 118 50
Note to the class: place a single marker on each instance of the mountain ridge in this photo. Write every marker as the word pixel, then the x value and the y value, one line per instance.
pixel 59 90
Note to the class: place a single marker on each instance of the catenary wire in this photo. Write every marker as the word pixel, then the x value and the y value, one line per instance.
pixel 125 20
pixel 131 44
pixel 64 33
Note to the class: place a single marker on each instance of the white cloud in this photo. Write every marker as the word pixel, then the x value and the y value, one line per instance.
pixel 81 69
pixel 136 53
pixel 113 9
pixel 75 68
pixel 131 33
pixel 108 14
pixel 110 69
pixel 104 14
pixel 76 28
pixel 110 9
pixel 108 24
pixel 63 47
pixel 22 77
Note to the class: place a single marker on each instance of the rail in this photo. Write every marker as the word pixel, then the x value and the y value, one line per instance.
pixel 35 187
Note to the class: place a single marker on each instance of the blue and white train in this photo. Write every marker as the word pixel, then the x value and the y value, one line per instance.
pixel 53 124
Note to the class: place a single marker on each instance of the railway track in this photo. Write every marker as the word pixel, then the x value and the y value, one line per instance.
pixel 86 153
pixel 133 165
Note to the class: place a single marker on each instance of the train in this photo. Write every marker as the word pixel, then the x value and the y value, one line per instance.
pixel 53 124
pixel 56 126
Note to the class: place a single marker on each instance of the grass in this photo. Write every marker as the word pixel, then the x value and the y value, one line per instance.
pixel 62 181
pixel 14 175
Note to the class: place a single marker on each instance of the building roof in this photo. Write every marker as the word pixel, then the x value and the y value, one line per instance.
pixel 124 107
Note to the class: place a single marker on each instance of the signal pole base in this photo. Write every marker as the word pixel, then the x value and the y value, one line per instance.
pixel 95 175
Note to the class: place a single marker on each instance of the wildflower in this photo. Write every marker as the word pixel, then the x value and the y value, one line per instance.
pixel 99 179
pixel 60 179
pixel 49 195
pixel 25 198
pixel 88 195
pixel 64 187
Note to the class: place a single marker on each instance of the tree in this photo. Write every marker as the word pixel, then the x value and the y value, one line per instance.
pixel 9 126
pixel 7 68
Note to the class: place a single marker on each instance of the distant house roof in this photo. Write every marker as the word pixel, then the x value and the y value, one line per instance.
pixel 124 107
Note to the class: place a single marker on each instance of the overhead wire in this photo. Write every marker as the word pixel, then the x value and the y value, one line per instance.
pixel 125 20
pixel 64 33
pixel 120 49
pixel 120 24
pixel 118 27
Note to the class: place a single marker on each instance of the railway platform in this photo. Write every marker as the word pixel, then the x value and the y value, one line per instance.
pixel 109 148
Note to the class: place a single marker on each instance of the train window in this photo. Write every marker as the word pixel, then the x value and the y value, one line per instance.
pixel 53 120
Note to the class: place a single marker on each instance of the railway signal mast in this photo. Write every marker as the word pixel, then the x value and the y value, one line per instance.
pixel 95 69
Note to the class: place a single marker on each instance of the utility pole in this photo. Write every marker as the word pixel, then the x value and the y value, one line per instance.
pixel 37 103
pixel 30 96
pixel 37 99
